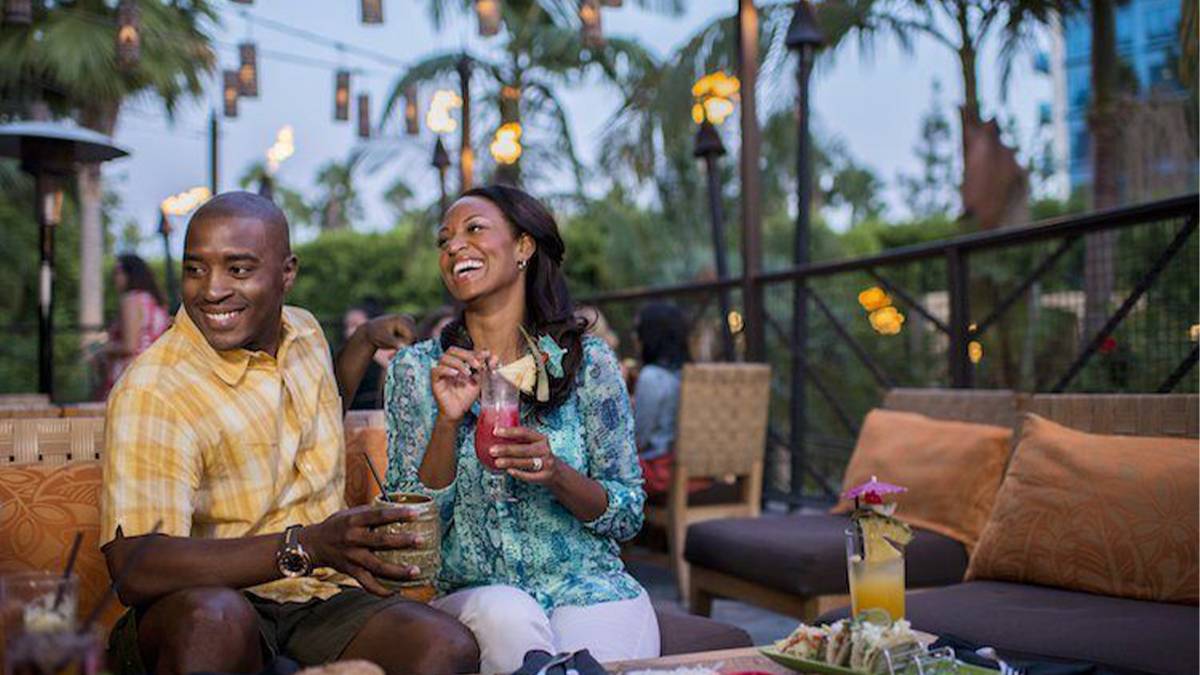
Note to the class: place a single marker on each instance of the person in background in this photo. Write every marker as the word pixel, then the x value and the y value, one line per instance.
pixel 141 317
pixel 431 325
pixel 663 335
pixel 369 395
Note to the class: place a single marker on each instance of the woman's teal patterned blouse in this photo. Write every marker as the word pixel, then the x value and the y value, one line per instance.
pixel 533 543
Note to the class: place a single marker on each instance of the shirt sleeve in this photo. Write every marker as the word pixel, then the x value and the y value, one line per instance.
pixel 608 436
pixel 408 408
pixel 152 467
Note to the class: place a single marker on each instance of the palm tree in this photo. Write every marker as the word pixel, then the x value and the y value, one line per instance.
pixel 543 52
pixel 338 205
pixel 67 58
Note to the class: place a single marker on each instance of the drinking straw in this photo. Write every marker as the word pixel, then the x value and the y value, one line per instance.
pixel 62 585
pixel 375 474
pixel 138 549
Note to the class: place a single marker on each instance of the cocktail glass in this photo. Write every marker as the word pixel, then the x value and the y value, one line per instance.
pixel 877 581
pixel 38 614
pixel 499 408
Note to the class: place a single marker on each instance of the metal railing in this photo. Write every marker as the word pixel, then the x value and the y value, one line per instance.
pixel 1100 302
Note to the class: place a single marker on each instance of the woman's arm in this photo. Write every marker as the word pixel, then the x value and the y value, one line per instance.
pixel 131 326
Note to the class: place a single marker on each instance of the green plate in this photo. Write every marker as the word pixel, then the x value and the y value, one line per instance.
pixel 811 666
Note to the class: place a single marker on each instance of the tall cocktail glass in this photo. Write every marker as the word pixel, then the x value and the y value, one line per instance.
pixel 877 579
pixel 499 407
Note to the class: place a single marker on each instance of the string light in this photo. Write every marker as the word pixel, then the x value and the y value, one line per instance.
pixel 714 96
pixel 589 17
pixel 18 12
pixel 341 96
pixel 129 39
pixel 372 11
pixel 185 202
pixel 488 13
pixel 506 146
pixel 248 70
pixel 438 118
pixel 364 115
pixel 230 93
pixel 283 148
pixel 412 122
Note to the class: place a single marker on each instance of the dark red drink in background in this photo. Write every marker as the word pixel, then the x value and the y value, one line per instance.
pixel 490 419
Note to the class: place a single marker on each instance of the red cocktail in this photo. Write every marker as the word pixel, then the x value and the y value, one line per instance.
pixel 499 408
pixel 491 419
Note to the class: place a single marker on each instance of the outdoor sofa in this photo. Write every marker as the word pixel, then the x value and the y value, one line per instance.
pixel 1088 557
pixel 50 479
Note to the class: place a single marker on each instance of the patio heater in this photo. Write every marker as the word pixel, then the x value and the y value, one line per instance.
pixel 709 147
pixel 805 38
pixel 49 152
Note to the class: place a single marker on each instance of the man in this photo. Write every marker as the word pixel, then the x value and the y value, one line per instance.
pixel 228 431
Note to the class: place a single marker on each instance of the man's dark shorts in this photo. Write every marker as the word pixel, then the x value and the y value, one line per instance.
pixel 310 633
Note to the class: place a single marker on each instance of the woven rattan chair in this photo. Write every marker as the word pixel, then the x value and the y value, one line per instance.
pixel 721 433
pixel 9 400
pixel 50 441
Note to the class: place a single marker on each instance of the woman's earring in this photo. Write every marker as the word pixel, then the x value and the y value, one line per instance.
pixel 521 264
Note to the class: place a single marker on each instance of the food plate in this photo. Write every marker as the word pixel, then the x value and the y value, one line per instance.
pixel 811 666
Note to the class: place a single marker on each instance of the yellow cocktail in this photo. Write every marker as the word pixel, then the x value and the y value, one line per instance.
pixel 877 585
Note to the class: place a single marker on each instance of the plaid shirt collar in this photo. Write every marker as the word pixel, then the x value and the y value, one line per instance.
pixel 231 365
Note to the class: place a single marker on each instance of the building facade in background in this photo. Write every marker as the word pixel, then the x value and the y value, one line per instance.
pixel 1158 156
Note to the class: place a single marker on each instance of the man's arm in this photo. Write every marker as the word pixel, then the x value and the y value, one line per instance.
pixel 344 541
pixel 390 331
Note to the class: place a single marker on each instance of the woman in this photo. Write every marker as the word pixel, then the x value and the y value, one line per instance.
pixel 543 571
pixel 141 318
pixel 662 334
pixel 369 394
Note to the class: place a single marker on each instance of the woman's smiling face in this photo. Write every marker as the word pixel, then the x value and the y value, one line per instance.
pixel 479 249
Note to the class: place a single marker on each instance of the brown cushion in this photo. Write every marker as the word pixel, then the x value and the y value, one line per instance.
pixel 1115 515
pixel 682 633
pixel 806 554
pixel 951 469
pixel 1047 624
pixel 41 509
pixel 361 443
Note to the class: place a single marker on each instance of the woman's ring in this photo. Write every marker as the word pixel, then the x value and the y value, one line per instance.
pixel 537 464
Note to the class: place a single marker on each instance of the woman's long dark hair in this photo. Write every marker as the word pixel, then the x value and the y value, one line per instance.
pixel 663 332
pixel 138 276
pixel 548 306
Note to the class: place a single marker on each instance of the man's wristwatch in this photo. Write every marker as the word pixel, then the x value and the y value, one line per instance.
pixel 292 559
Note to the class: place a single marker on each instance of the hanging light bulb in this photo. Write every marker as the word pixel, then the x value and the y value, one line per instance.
pixel 230 93
pixel 18 12
pixel 129 38
pixel 412 122
pixel 372 11
pixel 488 12
pixel 439 119
pixel 506 146
pixel 341 96
pixel 589 17
pixel 248 70
pixel 364 115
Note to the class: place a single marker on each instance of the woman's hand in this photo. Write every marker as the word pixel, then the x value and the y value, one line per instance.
pixel 456 381
pixel 526 456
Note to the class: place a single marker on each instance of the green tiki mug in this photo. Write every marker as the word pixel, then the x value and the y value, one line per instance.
pixel 425 523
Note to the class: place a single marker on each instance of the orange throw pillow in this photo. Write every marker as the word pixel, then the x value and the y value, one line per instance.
pixel 1114 515
pixel 41 509
pixel 952 469
pixel 361 443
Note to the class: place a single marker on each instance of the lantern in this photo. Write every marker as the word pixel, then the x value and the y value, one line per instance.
pixel 248 70
pixel 488 12
pixel 364 115
pixel 589 17
pixel 129 39
pixel 371 11
pixel 341 96
pixel 230 93
pixel 412 121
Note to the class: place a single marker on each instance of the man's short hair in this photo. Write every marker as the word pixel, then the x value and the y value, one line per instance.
pixel 240 204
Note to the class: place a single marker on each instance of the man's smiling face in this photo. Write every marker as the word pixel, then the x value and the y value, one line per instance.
pixel 236 271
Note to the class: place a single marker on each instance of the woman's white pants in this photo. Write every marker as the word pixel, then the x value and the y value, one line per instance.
pixel 508 622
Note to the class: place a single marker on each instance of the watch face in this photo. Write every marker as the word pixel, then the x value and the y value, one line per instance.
pixel 292 564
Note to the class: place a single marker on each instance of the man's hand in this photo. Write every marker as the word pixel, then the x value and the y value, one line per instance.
pixel 345 541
